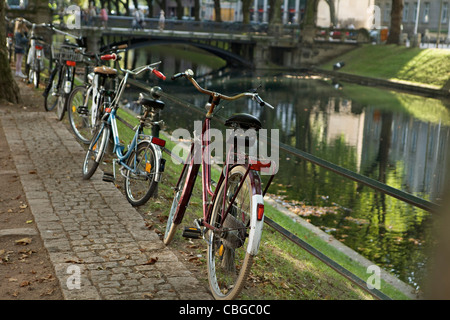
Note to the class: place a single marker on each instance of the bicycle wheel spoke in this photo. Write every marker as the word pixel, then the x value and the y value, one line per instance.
pixel 140 182
pixel 228 263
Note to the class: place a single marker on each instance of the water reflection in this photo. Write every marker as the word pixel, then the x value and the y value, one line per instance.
pixel 399 139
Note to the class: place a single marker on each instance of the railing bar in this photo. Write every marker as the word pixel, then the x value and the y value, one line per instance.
pixel 332 264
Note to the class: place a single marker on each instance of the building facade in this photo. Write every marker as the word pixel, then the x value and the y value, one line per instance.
pixel 419 16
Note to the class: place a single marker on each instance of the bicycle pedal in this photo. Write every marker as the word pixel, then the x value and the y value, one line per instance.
pixel 108 177
pixel 192 233
pixel 83 110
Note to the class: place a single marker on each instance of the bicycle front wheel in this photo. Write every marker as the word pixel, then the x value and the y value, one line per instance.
pixel 230 251
pixel 96 151
pixel 140 183
pixel 79 112
pixel 182 194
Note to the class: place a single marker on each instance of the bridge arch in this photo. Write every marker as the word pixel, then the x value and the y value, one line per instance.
pixel 230 57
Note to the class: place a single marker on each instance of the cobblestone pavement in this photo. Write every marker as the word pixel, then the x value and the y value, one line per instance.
pixel 97 242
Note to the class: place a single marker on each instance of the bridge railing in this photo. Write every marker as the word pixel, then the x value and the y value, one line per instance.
pixel 185 25
pixel 342 35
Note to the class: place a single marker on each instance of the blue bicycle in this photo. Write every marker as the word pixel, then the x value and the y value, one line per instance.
pixel 142 164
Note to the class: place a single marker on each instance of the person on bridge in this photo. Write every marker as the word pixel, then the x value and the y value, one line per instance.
pixel 138 21
pixel 104 17
pixel 162 20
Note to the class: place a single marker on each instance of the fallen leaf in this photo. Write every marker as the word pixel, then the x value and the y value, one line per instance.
pixel 151 261
pixel 23 206
pixel 25 283
pixel 29 221
pixel 24 241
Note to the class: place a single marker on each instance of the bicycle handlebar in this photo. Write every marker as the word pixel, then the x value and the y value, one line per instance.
pixel 189 74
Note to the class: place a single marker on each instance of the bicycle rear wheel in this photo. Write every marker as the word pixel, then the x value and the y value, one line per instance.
pixel 141 184
pixel 230 252
pixel 79 112
pixel 61 104
pixel 96 151
pixel 51 98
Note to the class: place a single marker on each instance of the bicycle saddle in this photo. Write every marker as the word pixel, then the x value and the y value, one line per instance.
pixel 107 71
pixel 244 121
pixel 150 102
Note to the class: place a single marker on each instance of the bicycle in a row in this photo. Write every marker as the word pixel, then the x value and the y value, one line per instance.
pixel 85 102
pixel 141 163
pixel 233 213
pixel 62 76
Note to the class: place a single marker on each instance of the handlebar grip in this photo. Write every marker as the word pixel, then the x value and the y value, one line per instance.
pixel 178 75
pixel 262 103
pixel 122 46
pixel 159 74
pixel 112 56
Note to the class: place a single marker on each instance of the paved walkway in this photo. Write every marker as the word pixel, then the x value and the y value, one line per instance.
pixel 97 241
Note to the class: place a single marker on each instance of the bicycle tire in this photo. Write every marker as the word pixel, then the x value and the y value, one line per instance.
pixel 96 151
pixel 229 259
pixel 61 105
pixel 80 121
pixel 138 189
pixel 51 98
pixel 183 191
pixel 36 78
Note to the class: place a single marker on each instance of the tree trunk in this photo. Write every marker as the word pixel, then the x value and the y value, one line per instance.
pixel 246 11
pixel 179 9
pixel 9 90
pixel 396 22
pixel 217 11
pixel 308 25
pixel 197 10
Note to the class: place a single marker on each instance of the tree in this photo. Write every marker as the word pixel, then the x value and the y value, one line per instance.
pixel 9 90
pixel 217 11
pixel 396 22
pixel 246 11
pixel 179 9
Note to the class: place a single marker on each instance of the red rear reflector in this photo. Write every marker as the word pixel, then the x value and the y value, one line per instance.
pixel 260 211
pixel 71 63
pixel 158 141
pixel 258 165
pixel 39 47
pixel 108 110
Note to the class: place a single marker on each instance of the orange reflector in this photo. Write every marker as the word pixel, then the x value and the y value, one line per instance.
pixel 71 63
pixel 108 110
pixel 260 211
pixel 158 141
pixel 148 167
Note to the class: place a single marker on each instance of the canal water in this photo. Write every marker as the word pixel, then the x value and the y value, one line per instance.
pixel 399 139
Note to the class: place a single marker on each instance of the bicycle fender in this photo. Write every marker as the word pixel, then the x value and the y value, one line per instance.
pixel 256 226
pixel 158 154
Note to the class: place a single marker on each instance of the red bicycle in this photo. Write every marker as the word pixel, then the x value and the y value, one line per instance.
pixel 233 214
